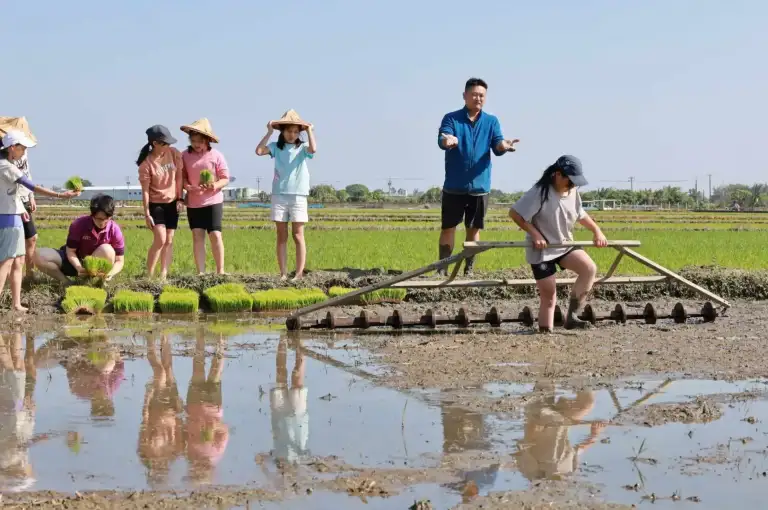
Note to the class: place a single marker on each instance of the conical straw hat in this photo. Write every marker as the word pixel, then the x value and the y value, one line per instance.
pixel 202 126
pixel 20 123
pixel 290 117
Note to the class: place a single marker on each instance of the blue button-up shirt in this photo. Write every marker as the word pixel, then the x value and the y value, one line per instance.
pixel 468 166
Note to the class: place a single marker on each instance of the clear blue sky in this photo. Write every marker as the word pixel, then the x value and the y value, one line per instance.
pixel 656 89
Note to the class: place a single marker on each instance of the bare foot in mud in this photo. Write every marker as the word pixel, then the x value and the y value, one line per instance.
pixel 283 277
pixel 20 309
pixel 297 278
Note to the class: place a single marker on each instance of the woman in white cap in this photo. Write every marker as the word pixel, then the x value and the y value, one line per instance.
pixel 205 201
pixel 12 213
pixel 548 212
pixel 290 186
pixel 161 177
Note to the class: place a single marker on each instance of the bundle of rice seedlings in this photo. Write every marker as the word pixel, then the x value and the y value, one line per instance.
pixel 79 299
pixel 228 297
pixel 96 266
pixel 74 184
pixel 177 300
pixel 128 301
pixel 286 299
pixel 206 178
pixel 374 297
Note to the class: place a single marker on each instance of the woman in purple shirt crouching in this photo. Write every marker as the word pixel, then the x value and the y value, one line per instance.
pixel 96 235
pixel 12 213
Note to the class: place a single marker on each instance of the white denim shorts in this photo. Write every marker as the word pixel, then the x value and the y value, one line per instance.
pixel 289 208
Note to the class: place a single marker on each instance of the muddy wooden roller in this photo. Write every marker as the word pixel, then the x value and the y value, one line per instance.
pixel 649 314
pixel 429 319
pixel 462 319
pixel 708 312
pixel 619 314
pixel 526 316
pixel 396 319
pixel 679 313
pixel 493 317
pixel 588 314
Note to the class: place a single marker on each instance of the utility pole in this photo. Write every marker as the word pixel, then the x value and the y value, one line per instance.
pixel 631 184
pixel 710 187
pixel 258 184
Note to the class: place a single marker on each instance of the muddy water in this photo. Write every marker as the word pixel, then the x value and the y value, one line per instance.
pixel 187 407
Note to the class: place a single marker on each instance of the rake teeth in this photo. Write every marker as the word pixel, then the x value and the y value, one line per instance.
pixel 495 318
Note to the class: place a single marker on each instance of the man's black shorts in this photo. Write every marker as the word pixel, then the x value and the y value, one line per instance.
pixel 66 266
pixel 30 230
pixel 471 208
pixel 165 214
pixel 206 218
pixel 549 268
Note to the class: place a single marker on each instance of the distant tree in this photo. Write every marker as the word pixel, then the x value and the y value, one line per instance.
pixel 87 183
pixel 378 195
pixel 323 193
pixel 342 195
pixel 431 196
pixel 357 192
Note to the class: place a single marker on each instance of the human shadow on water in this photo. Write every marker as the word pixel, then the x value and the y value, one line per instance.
pixel 96 377
pixel 289 412
pixel 18 377
pixel 545 451
pixel 206 434
pixel 161 435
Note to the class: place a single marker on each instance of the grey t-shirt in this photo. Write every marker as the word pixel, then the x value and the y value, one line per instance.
pixel 554 218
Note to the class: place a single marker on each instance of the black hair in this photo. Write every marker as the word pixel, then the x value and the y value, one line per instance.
pixel 103 203
pixel 281 140
pixel 475 82
pixel 4 153
pixel 547 179
pixel 145 151
pixel 191 149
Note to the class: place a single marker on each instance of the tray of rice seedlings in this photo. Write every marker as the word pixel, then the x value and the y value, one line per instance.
pixel 228 297
pixel 371 298
pixel 178 300
pixel 129 301
pixel 74 184
pixel 206 178
pixel 274 300
pixel 80 299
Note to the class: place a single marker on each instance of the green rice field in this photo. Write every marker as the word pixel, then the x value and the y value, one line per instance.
pixel 404 239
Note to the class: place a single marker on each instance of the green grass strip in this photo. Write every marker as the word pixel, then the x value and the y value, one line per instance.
pixel 286 299
pixel 370 298
pixel 178 300
pixel 83 299
pixel 229 297
pixel 128 301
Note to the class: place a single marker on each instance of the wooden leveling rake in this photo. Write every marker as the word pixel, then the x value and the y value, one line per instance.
pixel 398 320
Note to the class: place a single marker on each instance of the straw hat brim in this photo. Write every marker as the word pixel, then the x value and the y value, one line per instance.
pixel 277 124
pixel 191 129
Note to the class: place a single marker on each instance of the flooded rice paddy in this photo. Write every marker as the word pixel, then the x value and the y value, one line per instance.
pixel 311 421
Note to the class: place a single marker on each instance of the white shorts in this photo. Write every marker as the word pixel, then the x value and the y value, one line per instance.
pixel 289 208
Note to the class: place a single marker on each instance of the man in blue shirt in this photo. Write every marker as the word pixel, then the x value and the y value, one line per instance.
pixel 468 136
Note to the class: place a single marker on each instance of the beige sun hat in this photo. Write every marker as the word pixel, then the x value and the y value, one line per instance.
pixel 290 117
pixel 20 123
pixel 202 126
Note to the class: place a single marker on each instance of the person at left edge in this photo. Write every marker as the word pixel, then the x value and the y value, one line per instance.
pixel 12 214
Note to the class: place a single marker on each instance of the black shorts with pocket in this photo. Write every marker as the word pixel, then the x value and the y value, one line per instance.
pixel 66 266
pixel 164 214
pixel 206 218
pixel 470 208
pixel 30 230
pixel 546 269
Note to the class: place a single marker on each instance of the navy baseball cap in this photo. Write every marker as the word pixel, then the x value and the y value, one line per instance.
pixel 571 167
pixel 160 133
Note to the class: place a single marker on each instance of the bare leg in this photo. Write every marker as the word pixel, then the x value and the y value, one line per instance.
pixel 30 245
pixel 281 227
pixel 5 270
pixel 198 247
pixel 282 363
pixel 217 247
pixel 447 237
pixel 155 248
pixel 580 263
pixel 473 234
pixel 301 248
pixel 105 251
pixel 167 254
pixel 17 275
pixel 49 262
pixel 547 301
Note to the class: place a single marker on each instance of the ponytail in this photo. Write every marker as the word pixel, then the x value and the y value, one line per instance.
pixel 144 153
pixel 546 181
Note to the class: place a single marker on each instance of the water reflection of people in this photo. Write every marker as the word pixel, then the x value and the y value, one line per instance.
pixel 17 412
pixel 206 434
pixel 465 430
pixel 545 450
pixel 96 377
pixel 161 438
pixel 290 418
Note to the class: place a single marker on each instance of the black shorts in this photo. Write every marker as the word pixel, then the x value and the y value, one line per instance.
pixel 165 214
pixel 549 268
pixel 30 230
pixel 66 266
pixel 471 208
pixel 206 218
